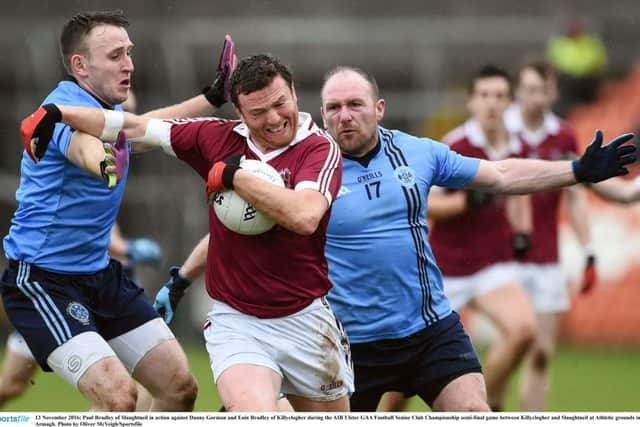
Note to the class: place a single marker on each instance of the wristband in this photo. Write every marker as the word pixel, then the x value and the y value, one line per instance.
pixel 113 122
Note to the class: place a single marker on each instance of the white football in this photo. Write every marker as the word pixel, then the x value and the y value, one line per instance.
pixel 237 214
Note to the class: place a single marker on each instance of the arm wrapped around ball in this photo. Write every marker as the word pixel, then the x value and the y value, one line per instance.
pixel 221 174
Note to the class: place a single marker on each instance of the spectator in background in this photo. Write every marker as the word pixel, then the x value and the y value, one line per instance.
pixel 549 138
pixel 580 60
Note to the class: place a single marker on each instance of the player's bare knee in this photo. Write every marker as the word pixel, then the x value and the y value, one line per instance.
pixel 182 390
pixel 477 405
pixel 540 359
pixel 9 392
pixel 522 333
pixel 249 405
pixel 121 397
pixel 186 391
pixel 525 334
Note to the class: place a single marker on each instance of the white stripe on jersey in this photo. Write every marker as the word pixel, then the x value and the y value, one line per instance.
pixel 328 169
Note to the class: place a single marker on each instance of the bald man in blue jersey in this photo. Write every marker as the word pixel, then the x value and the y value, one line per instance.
pixel 388 290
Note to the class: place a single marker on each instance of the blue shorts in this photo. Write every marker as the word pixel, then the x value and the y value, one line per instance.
pixel 422 363
pixel 49 308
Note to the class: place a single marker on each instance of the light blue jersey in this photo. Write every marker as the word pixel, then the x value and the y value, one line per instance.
pixel 64 214
pixel 386 282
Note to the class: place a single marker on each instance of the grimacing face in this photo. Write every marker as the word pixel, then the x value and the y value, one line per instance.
pixel 487 103
pixel 271 114
pixel 105 69
pixel 350 113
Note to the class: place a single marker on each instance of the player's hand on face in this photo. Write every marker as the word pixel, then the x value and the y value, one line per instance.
pixel 170 294
pixel 37 130
pixel 115 160
pixel 219 92
pixel 603 162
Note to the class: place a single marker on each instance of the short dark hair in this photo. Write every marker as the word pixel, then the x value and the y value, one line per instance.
pixel 488 71
pixel 365 75
pixel 541 67
pixel 257 72
pixel 78 26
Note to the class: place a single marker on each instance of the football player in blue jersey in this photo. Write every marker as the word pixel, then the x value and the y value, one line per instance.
pixel 76 309
pixel 388 290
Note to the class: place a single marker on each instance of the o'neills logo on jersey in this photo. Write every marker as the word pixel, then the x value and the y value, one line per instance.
pixel 405 175
pixel 370 176
pixel 331 385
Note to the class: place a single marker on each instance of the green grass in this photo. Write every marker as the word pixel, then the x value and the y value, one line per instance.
pixel 584 379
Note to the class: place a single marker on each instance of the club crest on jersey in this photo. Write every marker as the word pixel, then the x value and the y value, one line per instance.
pixel 78 312
pixel 285 174
pixel 405 175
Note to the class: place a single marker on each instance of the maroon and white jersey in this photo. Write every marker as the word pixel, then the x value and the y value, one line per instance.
pixel 554 140
pixel 279 272
pixel 480 237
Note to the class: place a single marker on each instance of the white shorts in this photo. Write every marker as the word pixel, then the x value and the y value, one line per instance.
pixel 462 289
pixel 17 344
pixel 72 359
pixel 308 349
pixel 546 287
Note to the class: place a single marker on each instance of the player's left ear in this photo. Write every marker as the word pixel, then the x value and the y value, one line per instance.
pixel 293 92
pixel 379 109
pixel 78 66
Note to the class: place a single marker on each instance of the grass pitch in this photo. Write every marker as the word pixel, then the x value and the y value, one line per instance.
pixel 584 379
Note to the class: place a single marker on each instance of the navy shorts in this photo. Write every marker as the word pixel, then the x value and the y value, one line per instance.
pixel 49 308
pixel 420 364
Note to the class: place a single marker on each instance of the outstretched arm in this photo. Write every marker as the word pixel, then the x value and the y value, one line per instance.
pixel 37 129
pixel 522 176
pixel 213 97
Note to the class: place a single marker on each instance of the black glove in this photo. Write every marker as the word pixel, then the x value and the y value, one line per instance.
pixel 220 90
pixel 221 174
pixel 170 294
pixel 599 163
pixel 478 198
pixel 521 243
